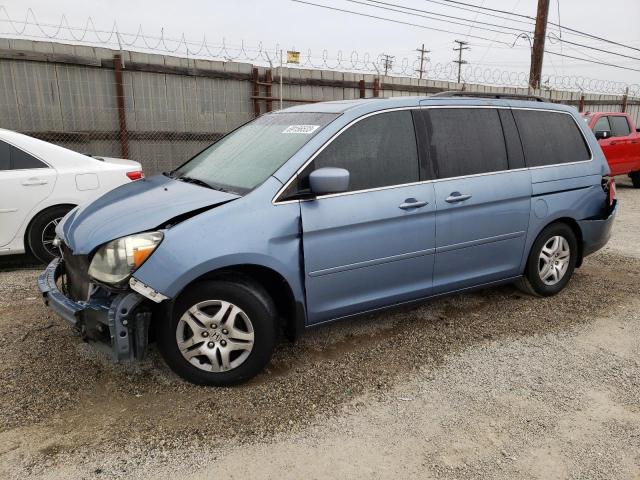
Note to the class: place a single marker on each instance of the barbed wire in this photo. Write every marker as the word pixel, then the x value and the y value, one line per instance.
pixel 89 34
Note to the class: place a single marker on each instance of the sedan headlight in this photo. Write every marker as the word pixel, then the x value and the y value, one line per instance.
pixel 116 260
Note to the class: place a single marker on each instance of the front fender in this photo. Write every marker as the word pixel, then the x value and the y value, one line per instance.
pixel 248 231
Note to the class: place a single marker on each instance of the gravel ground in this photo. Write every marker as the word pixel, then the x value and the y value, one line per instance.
pixel 493 384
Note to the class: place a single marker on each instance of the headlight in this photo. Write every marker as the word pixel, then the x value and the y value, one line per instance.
pixel 116 260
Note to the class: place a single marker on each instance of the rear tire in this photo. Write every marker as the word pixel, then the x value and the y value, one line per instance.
pixel 221 332
pixel 42 232
pixel 551 261
pixel 635 179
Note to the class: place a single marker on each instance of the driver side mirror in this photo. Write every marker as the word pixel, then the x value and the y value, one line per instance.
pixel 602 134
pixel 329 180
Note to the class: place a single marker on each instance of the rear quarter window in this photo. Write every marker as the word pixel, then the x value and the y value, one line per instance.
pixel 21 160
pixel 550 138
pixel 5 156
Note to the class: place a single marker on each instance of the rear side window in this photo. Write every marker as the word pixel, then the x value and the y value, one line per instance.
pixel 602 125
pixel 378 151
pixel 619 126
pixel 550 138
pixel 465 141
pixel 21 160
pixel 5 156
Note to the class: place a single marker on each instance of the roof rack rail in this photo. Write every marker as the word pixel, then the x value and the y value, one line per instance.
pixel 515 96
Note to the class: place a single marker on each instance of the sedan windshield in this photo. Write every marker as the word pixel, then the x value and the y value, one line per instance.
pixel 246 157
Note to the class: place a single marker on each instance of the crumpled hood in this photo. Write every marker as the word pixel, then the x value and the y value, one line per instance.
pixel 132 208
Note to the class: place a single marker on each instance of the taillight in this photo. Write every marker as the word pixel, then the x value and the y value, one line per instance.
pixel 609 186
pixel 135 175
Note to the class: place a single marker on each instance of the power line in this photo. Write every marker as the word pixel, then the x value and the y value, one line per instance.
pixel 475 20
pixel 437 14
pixel 609 52
pixel 529 22
pixel 496 10
pixel 564 27
pixel 386 19
pixel 491 45
pixel 593 61
pixel 560 39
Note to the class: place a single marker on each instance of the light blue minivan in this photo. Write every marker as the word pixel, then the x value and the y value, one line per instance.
pixel 326 211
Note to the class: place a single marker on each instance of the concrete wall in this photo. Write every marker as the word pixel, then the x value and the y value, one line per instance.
pixel 174 106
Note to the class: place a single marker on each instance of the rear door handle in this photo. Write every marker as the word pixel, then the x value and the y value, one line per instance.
pixel 34 181
pixel 410 203
pixel 457 197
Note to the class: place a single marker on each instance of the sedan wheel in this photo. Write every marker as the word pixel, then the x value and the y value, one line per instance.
pixel 49 235
pixel 42 232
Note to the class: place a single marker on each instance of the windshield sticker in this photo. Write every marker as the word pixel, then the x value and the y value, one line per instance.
pixel 303 129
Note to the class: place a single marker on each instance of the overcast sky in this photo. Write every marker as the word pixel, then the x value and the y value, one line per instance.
pixel 305 27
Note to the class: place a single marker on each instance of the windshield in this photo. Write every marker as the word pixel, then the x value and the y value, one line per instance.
pixel 246 157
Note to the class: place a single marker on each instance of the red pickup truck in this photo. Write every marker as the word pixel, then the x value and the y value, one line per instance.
pixel 620 141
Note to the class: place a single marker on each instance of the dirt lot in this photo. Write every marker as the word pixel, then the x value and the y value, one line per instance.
pixel 487 385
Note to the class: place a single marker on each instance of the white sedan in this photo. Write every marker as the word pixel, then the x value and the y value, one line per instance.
pixel 41 182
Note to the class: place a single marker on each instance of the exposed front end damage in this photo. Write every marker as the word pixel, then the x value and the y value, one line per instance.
pixel 118 319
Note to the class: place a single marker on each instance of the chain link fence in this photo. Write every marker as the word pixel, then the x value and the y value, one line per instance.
pixel 161 110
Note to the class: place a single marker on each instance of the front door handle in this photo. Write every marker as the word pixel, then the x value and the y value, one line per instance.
pixel 34 181
pixel 457 197
pixel 410 203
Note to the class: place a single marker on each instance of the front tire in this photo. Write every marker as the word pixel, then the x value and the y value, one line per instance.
pixel 635 179
pixel 551 261
pixel 221 332
pixel 41 232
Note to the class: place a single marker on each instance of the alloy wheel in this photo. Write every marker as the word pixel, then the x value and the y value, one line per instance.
pixel 49 235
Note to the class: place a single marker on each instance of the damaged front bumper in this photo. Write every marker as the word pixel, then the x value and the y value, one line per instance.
pixel 118 320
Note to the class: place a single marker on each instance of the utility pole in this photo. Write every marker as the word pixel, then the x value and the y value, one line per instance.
pixel 387 62
pixel 537 54
pixel 460 62
pixel 423 59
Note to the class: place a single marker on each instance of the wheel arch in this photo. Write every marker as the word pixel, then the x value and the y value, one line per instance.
pixel 25 235
pixel 577 231
pixel 290 311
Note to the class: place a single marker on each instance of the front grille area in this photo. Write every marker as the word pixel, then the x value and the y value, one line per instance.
pixel 76 269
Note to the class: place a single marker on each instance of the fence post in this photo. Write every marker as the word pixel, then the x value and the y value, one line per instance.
pixel 376 87
pixel 581 104
pixel 269 81
pixel 625 99
pixel 122 116
pixel 363 91
pixel 256 92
